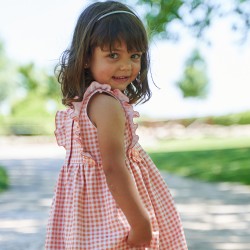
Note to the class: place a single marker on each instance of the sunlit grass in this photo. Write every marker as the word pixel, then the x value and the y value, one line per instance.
pixel 208 159
pixel 4 180
pixel 200 144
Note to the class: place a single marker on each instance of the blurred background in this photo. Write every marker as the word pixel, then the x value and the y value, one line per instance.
pixel 195 126
pixel 199 61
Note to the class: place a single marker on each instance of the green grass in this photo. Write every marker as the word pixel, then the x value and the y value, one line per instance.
pixel 4 180
pixel 213 160
pixel 200 144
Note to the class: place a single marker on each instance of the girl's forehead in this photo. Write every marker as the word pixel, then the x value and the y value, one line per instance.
pixel 117 46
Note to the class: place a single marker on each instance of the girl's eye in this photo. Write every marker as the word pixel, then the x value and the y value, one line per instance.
pixel 113 55
pixel 136 56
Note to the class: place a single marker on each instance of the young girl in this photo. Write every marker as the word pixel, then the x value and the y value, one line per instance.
pixel 109 194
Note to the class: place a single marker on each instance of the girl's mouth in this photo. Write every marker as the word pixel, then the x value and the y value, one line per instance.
pixel 120 79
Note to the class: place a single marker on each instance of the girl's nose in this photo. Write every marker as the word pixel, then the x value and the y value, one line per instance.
pixel 126 65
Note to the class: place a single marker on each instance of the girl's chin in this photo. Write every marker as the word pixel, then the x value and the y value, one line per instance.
pixel 120 84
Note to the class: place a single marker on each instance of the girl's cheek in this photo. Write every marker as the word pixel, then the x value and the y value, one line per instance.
pixel 138 67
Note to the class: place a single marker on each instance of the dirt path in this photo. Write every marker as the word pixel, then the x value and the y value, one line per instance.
pixel 215 216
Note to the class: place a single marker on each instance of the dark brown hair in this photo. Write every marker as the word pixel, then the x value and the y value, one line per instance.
pixel 90 33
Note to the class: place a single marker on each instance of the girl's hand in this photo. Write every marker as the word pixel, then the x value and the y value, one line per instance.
pixel 140 238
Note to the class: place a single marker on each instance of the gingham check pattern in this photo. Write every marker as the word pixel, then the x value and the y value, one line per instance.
pixel 84 215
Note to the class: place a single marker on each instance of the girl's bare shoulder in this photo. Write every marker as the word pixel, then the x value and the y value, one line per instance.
pixel 103 107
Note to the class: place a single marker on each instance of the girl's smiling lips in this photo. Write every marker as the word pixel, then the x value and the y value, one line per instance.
pixel 120 78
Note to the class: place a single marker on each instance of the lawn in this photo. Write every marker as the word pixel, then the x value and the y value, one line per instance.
pixel 4 180
pixel 213 159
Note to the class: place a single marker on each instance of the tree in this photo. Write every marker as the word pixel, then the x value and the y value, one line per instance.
pixel 29 79
pixel 7 75
pixel 196 15
pixel 194 82
pixel 39 82
pixel 53 87
pixel 34 112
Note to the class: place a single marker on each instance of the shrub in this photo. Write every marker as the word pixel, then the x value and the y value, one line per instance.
pixel 27 126
pixel 4 179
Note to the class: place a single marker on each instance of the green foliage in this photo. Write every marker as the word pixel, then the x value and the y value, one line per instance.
pixel 242 118
pixel 38 81
pixel 30 117
pixel 227 165
pixel 196 15
pixel 227 120
pixel 4 180
pixel 52 90
pixel 7 75
pixel 29 126
pixel 4 90
pixel 31 106
pixel 29 77
pixel 34 97
pixel 33 114
pixel 194 82
pixel 160 15
pixel 198 144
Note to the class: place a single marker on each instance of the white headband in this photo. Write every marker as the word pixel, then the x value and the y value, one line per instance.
pixel 115 12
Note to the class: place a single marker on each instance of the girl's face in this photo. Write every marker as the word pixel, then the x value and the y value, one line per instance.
pixel 117 68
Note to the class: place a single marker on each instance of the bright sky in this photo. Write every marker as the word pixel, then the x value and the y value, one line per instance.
pixel 40 30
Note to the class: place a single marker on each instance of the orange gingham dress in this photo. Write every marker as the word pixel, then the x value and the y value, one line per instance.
pixel 84 214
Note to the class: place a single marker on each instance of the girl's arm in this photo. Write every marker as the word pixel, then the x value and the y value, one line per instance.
pixel 108 116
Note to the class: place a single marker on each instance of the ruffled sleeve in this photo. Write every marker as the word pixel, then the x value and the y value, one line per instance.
pixel 64 119
pixel 130 113
pixel 133 126
pixel 74 114
pixel 60 131
pixel 96 87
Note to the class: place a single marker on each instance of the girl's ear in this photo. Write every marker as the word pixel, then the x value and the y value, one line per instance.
pixel 87 64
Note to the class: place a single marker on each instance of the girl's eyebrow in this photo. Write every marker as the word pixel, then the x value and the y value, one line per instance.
pixel 112 49
pixel 119 50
